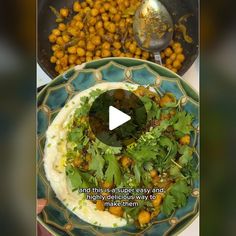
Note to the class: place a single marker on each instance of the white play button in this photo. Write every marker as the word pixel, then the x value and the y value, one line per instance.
pixel 117 118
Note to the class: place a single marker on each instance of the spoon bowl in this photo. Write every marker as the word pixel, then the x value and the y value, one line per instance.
pixel 153 27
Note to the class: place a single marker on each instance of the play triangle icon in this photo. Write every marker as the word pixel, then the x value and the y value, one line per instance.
pixel 117 118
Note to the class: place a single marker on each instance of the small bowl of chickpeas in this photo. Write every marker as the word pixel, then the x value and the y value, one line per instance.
pixel 88 30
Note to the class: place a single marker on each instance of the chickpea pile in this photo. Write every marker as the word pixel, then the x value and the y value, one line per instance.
pixel 173 56
pixel 99 29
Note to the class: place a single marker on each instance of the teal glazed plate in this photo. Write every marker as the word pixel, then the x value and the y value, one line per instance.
pixel 55 217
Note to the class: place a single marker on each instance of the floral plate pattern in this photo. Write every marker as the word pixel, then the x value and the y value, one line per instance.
pixel 55 216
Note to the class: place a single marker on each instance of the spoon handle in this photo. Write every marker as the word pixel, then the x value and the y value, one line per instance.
pixel 157 58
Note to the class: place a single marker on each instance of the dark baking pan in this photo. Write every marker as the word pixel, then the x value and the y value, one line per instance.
pixel 177 8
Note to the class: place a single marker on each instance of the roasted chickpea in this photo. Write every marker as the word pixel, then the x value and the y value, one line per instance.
pixel 92 21
pixel 168 61
pixel 105 17
pixel 89 59
pixel 52 38
pixel 64 61
pixel 113 10
pixel 116 17
pixel 185 140
pixel 106 45
pixel 56 32
pixel 145 55
pixel 116 53
pixel 80 52
pixel 58 68
pixel 55 47
pixel 81 44
pixel 176 45
pixel 144 217
pixel 59 54
pixel 53 59
pixel 176 64
pixel 117 45
pixel 180 57
pixel 173 56
pixel 94 12
pixel 107 185
pixel 71 50
pixel 117 211
pixel 165 99
pixel 96 40
pixel 157 201
pixel 99 25
pixel 125 161
pixel 76 7
pixel 168 52
pixel 92 29
pixel 89 54
pixel 105 53
pixel 80 25
pixel 98 53
pixel 178 50
pixel 62 27
pixel 78 61
pixel 153 173
pixel 100 205
pixel 72 58
pixel 66 38
pixel 107 6
pixel 90 46
pixel 84 4
pixel 64 12
pixel 132 48
pixel 138 52
pixel 111 28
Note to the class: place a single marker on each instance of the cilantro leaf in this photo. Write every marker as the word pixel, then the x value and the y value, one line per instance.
pixel 186 157
pixel 168 205
pixel 97 163
pixel 78 179
pixel 183 122
pixel 113 170
pixel 179 190
pixel 75 135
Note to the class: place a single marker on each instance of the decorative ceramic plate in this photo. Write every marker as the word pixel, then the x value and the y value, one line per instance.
pixel 55 216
